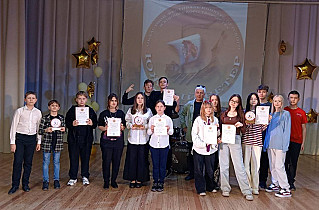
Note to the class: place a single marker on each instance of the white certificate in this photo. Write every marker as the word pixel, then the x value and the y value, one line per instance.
pixel 160 128
pixel 228 134
pixel 114 126
pixel 262 115
pixel 210 134
pixel 168 97
pixel 82 115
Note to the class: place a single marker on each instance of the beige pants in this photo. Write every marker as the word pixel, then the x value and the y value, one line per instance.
pixel 252 163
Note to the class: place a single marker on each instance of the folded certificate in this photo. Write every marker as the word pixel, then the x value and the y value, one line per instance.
pixel 228 134
pixel 262 115
pixel 210 134
pixel 82 115
pixel 114 126
pixel 160 128
pixel 168 97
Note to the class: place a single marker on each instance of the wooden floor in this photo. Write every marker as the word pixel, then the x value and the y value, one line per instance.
pixel 178 193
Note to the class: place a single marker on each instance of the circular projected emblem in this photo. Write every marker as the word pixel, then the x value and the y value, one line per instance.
pixel 193 43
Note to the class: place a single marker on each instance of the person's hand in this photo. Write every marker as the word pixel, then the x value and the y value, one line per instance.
pixel 122 127
pixel 48 130
pixel 167 128
pixel 62 129
pixel 302 147
pixel 176 98
pixel 38 147
pixel 269 118
pixel 185 130
pixel 238 124
pixel 89 122
pixel 13 148
pixel 142 127
pixel 129 89
pixel 75 123
pixel 152 128
pixel 219 140
pixel 105 128
pixel 134 128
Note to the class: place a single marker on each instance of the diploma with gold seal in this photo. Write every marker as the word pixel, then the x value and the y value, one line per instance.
pixel 228 133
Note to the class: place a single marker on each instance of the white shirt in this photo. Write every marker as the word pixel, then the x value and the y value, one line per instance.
pixel 137 136
pixel 199 144
pixel 160 141
pixel 25 121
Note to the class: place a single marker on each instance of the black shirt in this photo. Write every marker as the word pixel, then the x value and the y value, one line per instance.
pixel 157 95
pixel 196 113
pixel 130 101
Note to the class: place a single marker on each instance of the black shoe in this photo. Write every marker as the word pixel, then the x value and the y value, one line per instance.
pixel 106 185
pixel 56 184
pixel 45 186
pixel 114 185
pixel 189 177
pixel 160 187
pixel 154 187
pixel 132 185
pixel 292 187
pixel 262 185
pixel 13 190
pixel 138 185
pixel 168 172
pixel 26 188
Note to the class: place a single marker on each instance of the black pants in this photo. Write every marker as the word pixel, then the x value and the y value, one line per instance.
pixel 292 156
pixel 83 151
pixel 213 185
pixel 264 166
pixel 25 146
pixel 136 167
pixel 203 164
pixel 190 160
pixel 111 155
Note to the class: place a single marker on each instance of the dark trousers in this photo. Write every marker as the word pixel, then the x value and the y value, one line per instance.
pixel 264 166
pixel 159 159
pixel 25 146
pixel 83 151
pixel 136 167
pixel 213 185
pixel 190 160
pixel 111 155
pixel 203 164
pixel 292 156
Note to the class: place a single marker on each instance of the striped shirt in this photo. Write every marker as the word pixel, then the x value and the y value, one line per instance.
pixel 253 135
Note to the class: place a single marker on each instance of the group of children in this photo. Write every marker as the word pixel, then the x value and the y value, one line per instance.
pixel 282 145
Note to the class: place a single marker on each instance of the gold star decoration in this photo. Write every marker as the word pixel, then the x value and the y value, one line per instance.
pixel 82 59
pixel 270 97
pixel 305 70
pixel 91 89
pixel 94 45
pixel 94 57
pixel 312 116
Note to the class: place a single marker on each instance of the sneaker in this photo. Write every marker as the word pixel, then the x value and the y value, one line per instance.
pixel 272 188
pixel 202 194
pixel 45 186
pixel 56 184
pixel 249 197
pixel 72 182
pixel 160 187
pixel 292 187
pixel 214 191
pixel 225 193
pixel 85 181
pixel 106 185
pixel 262 185
pixel 154 187
pixel 283 193
pixel 255 192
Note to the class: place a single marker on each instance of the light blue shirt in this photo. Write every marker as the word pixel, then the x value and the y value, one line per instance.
pixel 278 132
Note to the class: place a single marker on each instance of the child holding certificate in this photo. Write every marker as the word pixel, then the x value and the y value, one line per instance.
pixel 159 127
pixel 80 121
pixel 252 143
pixel 277 143
pixel 233 116
pixel 204 136
pixel 112 139
pixel 52 127
pixel 136 166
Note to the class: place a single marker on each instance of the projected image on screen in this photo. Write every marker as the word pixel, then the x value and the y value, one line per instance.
pixel 191 43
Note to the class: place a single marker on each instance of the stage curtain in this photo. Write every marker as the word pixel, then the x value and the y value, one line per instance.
pixel 12 60
pixel 298 25
pixel 56 29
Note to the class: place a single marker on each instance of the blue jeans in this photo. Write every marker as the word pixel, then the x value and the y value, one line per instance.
pixel 159 159
pixel 56 163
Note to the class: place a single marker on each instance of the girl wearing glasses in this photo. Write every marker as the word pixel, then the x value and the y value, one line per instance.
pixel 234 115
pixel 252 143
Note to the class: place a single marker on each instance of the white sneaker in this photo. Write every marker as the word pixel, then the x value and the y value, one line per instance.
pixel 72 182
pixel 255 192
pixel 249 197
pixel 214 191
pixel 225 194
pixel 85 181
pixel 202 194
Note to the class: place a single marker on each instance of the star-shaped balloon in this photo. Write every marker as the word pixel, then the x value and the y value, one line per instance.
pixel 305 70
pixel 94 57
pixel 91 89
pixel 82 59
pixel 312 116
pixel 94 45
pixel 270 97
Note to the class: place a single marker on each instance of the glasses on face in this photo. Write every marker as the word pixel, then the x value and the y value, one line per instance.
pixel 234 102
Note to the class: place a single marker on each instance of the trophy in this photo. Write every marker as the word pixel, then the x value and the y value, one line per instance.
pixel 56 124
pixel 138 122
pixel 250 117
